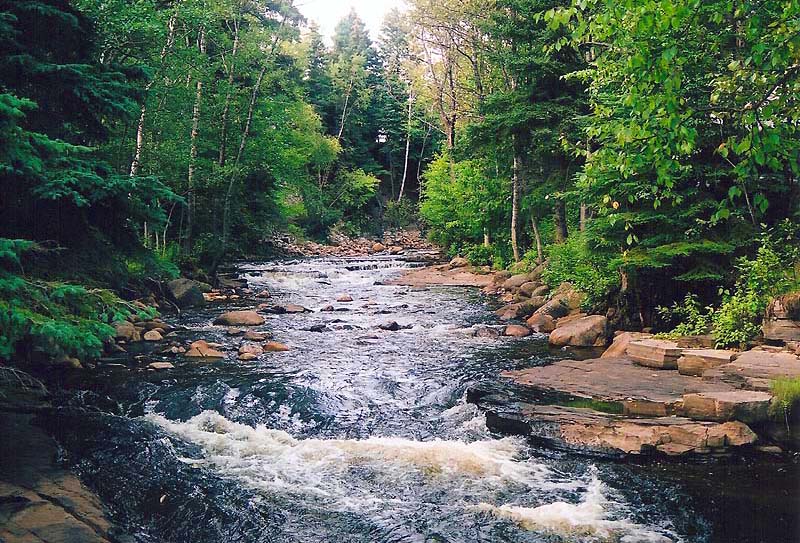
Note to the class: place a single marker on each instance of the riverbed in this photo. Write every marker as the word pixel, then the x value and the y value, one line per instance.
pixel 363 434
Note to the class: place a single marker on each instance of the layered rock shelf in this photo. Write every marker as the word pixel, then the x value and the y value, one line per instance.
pixel 715 401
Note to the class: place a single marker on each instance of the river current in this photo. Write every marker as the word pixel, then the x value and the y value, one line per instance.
pixel 359 434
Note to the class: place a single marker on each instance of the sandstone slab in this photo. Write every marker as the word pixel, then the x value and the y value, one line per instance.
pixel 742 405
pixel 696 361
pixel 620 344
pixel 655 353
pixel 782 320
pixel 756 369
pixel 585 430
pixel 615 380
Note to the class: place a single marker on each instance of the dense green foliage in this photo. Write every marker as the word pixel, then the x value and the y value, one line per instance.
pixel 738 318
pixel 646 149
pixel 43 319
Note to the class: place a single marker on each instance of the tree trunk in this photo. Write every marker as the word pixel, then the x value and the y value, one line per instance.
pixel 223 139
pixel 242 143
pixel 487 241
pixel 584 217
pixel 137 155
pixel 537 236
pixel 560 221
pixel 515 194
pixel 408 146
pixel 190 179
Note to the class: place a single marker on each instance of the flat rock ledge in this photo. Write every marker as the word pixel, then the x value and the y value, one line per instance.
pixel 39 501
pixel 714 405
pixel 590 432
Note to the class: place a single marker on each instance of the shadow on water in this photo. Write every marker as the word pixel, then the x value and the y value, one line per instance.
pixel 361 434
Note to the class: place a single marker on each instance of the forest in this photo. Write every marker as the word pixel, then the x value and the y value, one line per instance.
pixel 647 151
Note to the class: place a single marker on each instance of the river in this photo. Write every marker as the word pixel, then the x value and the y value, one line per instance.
pixel 359 434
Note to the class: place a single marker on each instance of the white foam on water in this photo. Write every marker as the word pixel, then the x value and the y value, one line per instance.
pixel 274 459
pixel 588 518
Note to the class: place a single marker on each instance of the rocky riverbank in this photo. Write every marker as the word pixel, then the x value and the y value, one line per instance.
pixel 41 501
pixel 675 398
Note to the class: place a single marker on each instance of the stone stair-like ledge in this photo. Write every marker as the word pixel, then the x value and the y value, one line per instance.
pixel 655 353
pixel 696 361
pixel 743 405
pixel 589 431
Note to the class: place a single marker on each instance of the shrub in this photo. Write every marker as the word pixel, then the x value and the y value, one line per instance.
pixel 691 319
pixel 786 394
pixel 399 214
pixel 479 255
pixel 53 319
pixel 574 262
pixel 738 318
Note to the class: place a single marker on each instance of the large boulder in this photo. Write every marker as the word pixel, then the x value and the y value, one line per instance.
pixel 541 323
pixel 527 289
pixel 186 292
pixel 520 310
pixel 240 318
pixel 515 281
pixel 619 346
pixel 591 331
pixel 459 262
pixel 565 300
pixel 126 331
pixel 782 320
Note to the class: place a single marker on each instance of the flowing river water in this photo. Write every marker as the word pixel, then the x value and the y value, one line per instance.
pixel 359 434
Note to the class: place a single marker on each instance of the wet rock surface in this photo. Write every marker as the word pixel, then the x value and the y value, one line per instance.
pixel 41 501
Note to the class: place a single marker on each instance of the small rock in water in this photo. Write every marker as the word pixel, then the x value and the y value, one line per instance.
pixel 264 294
pixel 487 332
pixel 240 318
pixel 153 335
pixel 517 330
pixel 327 308
pixel 234 331
pixel 252 335
pixel 378 247
pixel 275 347
pixel 319 328
pixel 390 326
pixel 294 308
pixel 251 348
pixel 344 298
pixel 203 349
pixel 161 366
pixel 247 357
